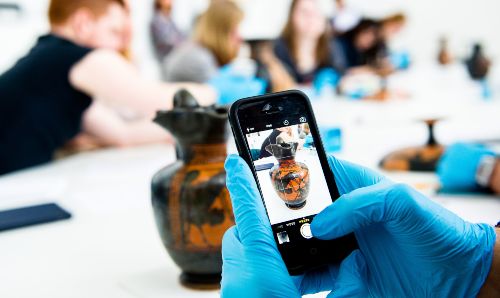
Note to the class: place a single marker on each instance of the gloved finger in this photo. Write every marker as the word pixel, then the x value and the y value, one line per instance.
pixel 232 257
pixel 249 213
pixel 351 279
pixel 355 210
pixel 234 280
pixel 231 245
pixel 319 280
pixel 349 176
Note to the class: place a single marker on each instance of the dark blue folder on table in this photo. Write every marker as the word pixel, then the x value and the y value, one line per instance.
pixel 31 215
pixel 265 166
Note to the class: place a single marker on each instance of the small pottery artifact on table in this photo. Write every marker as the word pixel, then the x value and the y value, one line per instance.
pixel 419 158
pixel 477 64
pixel 190 201
pixel 444 56
pixel 289 178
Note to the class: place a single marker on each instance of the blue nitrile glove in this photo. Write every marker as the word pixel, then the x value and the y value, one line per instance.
pixel 356 94
pixel 326 77
pixel 252 264
pixel 485 89
pixel 232 86
pixel 409 246
pixel 308 141
pixel 458 165
pixel 400 60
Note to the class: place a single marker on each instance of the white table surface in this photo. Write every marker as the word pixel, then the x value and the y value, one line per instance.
pixel 110 248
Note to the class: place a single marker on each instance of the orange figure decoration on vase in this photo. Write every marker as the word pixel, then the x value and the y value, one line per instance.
pixel 290 178
pixel 190 200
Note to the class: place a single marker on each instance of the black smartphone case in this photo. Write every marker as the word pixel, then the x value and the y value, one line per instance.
pixel 320 253
pixel 31 215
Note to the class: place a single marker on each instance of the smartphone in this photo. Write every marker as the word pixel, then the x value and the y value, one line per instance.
pixel 293 175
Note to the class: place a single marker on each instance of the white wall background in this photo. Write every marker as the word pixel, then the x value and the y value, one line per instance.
pixel 462 21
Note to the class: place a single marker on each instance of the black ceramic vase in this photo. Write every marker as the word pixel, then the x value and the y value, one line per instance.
pixel 290 178
pixel 191 204
pixel 477 65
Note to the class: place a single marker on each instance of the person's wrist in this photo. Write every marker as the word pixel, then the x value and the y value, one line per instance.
pixel 491 287
pixel 484 169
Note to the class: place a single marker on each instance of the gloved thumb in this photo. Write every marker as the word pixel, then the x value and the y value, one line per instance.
pixel 351 280
pixel 357 209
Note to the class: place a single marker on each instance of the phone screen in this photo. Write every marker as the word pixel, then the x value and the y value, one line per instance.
pixel 290 175
pixel 277 135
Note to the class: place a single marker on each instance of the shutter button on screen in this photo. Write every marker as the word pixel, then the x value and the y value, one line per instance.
pixel 305 231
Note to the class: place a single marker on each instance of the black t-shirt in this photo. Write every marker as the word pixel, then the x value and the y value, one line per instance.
pixel 39 109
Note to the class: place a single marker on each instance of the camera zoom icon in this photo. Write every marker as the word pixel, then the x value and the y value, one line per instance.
pixel 286 122
pixel 302 119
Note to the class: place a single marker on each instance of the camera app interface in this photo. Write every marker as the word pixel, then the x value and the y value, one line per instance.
pixel 290 175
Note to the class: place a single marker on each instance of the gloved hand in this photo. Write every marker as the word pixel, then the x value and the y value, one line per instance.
pixel 458 165
pixel 252 264
pixel 232 86
pixel 400 60
pixel 409 246
pixel 326 77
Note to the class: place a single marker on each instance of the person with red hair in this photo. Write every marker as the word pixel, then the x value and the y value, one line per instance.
pixel 71 81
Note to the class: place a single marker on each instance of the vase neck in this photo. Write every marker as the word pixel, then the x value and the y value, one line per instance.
pixel 203 153
pixel 286 161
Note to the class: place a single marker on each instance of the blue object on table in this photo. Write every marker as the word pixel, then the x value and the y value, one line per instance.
pixel 400 60
pixel 356 94
pixel 232 86
pixel 308 141
pixel 485 89
pixel 458 165
pixel 332 139
pixel 325 78
pixel 409 245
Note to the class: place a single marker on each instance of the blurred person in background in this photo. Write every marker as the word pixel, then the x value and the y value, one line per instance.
pixel 381 55
pixel 211 56
pixel 70 80
pixel 354 49
pixel 304 47
pixel 269 67
pixel 127 33
pixel 216 43
pixel 164 32
pixel 345 17
pixel 391 26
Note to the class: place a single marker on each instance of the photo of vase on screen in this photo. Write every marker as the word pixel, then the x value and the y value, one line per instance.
pixel 289 172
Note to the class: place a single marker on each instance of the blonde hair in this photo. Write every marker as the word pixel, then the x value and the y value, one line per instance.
pixel 215 26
